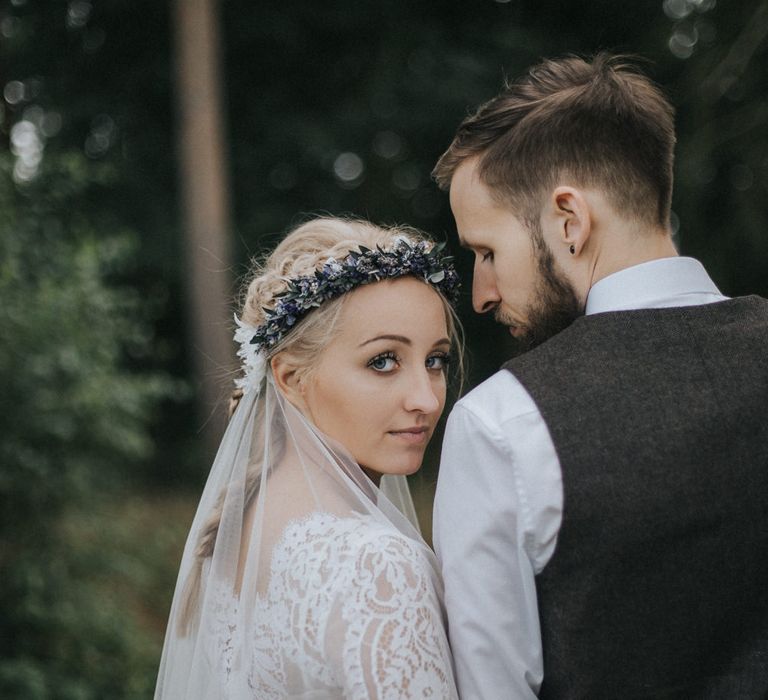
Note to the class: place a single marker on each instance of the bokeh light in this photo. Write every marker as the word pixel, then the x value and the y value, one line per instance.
pixel 27 146
pixel 349 169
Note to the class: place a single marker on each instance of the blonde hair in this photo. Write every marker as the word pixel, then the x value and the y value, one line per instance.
pixel 305 249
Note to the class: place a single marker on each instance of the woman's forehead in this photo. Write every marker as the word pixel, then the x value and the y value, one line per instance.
pixel 403 306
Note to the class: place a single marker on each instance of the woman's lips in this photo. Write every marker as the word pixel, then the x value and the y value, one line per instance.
pixel 413 436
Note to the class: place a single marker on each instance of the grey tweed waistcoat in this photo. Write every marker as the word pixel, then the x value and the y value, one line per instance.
pixel 658 587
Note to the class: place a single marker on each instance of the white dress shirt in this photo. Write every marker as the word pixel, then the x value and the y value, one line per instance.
pixel 499 501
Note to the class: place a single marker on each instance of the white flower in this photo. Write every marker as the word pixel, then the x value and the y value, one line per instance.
pixel 253 358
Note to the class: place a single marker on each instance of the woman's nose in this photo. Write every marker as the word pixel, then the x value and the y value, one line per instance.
pixel 422 393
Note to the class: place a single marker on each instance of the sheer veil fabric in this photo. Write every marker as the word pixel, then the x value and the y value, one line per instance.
pixel 300 578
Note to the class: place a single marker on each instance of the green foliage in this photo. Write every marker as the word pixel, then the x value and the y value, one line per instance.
pixel 337 106
pixel 73 423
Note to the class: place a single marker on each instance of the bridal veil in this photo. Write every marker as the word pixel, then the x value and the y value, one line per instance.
pixel 299 575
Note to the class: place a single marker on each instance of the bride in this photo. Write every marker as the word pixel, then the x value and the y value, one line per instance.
pixel 304 574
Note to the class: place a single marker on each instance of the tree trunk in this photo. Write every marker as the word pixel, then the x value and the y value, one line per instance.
pixel 205 207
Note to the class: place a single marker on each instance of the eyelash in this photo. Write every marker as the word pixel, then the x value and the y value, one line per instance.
pixel 382 356
pixel 488 256
pixel 444 357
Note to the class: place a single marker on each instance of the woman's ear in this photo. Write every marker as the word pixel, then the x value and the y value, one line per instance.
pixel 288 378
pixel 574 218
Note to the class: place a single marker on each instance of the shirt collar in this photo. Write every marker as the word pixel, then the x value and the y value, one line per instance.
pixel 651 284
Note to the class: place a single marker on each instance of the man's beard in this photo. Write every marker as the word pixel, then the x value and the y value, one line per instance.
pixel 555 305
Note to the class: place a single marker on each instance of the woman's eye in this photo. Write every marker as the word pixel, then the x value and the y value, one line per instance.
pixel 383 363
pixel 439 361
pixel 488 256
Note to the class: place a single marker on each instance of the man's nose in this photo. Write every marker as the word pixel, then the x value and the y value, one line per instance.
pixel 485 295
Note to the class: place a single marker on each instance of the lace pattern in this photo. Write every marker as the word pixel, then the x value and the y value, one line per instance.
pixel 225 634
pixel 350 611
pixel 317 586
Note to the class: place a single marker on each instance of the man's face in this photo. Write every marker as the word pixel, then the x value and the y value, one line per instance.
pixel 515 274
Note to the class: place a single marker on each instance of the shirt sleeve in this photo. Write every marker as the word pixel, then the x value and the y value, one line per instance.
pixel 494 528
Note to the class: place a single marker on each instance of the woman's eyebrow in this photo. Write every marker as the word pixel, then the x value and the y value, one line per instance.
pixel 396 338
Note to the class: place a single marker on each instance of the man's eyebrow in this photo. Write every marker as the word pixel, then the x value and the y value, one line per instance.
pixel 396 338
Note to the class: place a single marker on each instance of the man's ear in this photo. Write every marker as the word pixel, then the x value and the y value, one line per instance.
pixel 288 377
pixel 573 216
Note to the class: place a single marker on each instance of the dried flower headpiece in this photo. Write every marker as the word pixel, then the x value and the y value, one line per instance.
pixel 303 294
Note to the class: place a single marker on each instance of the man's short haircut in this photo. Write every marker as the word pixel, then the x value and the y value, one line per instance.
pixel 598 123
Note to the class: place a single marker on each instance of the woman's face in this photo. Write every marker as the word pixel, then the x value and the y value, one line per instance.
pixel 379 385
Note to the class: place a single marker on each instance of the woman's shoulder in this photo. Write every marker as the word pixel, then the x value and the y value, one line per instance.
pixel 324 560
pixel 355 532
pixel 349 548
pixel 359 592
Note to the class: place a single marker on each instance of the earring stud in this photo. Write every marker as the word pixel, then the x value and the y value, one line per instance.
pixel 573 249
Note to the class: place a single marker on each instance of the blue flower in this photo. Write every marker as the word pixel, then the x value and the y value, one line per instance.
pixel 359 267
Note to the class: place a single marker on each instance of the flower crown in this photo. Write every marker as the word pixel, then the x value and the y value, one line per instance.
pixel 364 266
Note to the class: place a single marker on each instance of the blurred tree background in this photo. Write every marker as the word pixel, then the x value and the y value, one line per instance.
pixel 332 107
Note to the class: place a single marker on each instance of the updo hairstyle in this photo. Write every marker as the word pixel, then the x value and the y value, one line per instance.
pixel 306 249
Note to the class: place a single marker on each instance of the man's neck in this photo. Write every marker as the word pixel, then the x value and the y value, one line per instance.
pixel 630 250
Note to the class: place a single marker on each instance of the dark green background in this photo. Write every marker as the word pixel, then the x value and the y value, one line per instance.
pixel 101 450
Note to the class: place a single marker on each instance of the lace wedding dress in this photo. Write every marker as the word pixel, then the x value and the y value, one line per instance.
pixel 350 612
pixel 317 587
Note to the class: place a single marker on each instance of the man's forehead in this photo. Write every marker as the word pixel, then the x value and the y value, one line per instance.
pixel 471 238
pixel 470 197
pixel 463 242
pixel 466 176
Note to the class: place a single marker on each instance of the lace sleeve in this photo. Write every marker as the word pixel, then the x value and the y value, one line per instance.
pixel 386 635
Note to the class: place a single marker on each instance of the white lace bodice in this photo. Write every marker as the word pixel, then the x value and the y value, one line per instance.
pixel 350 612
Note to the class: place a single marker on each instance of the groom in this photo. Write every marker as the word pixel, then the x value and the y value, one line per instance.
pixel 601 514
